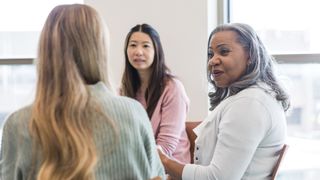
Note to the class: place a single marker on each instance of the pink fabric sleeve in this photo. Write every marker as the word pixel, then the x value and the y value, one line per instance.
pixel 171 116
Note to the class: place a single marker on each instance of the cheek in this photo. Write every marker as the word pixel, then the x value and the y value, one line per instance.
pixel 129 54
pixel 240 70
pixel 151 53
pixel 244 66
pixel 235 70
pixel 151 56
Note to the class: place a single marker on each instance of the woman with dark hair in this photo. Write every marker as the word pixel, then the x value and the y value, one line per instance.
pixel 77 128
pixel 243 135
pixel 147 79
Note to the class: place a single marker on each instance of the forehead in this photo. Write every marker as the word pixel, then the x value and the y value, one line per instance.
pixel 224 37
pixel 140 36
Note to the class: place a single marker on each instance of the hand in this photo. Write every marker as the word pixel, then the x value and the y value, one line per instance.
pixel 156 178
pixel 162 155
pixel 172 167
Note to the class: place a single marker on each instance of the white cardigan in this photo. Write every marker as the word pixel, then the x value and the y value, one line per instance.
pixel 240 138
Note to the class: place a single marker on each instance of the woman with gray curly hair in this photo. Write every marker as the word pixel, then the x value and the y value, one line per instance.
pixel 242 136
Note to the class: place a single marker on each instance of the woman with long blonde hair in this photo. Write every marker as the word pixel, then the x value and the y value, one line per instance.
pixel 77 128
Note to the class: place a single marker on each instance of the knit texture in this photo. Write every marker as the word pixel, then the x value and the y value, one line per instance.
pixel 133 152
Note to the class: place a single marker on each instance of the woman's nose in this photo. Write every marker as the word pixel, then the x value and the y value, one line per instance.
pixel 214 61
pixel 138 51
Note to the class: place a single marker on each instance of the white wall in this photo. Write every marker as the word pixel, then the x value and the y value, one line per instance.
pixel 183 28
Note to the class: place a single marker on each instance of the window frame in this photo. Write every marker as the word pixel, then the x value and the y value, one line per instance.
pixel 224 16
pixel 16 61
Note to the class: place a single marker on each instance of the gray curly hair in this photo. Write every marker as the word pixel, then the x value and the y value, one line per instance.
pixel 260 68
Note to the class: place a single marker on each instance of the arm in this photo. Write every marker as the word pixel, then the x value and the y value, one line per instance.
pixel 243 125
pixel 8 156
pixel 173 168
pixel 149 145
pixel 174 109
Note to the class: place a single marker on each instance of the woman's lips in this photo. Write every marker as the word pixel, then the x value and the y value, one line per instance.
pixel 138 61
pixel 217 73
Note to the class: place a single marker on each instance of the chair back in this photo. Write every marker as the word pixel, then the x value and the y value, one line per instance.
pixel 190 125
pixel 280 159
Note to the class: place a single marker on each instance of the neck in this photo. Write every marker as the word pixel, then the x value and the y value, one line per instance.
pixel 144 79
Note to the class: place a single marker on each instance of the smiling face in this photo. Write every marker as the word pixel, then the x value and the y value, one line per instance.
pixel 140 51
pixel 227 58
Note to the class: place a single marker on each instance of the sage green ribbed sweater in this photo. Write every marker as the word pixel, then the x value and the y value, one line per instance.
pixel 134 156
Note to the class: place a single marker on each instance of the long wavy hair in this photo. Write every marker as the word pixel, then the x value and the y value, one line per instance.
pixel 160 73
pixel 72 54
pixel 260 67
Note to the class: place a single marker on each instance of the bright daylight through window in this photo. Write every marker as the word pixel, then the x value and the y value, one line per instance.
pixel 21 22
pixel 288 29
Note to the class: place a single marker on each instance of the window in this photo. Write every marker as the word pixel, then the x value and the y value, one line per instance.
pixel 289 32
pixel 17 87
pixel 21 23
pixel 285 26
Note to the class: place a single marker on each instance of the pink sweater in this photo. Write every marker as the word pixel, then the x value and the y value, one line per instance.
pixel 168 121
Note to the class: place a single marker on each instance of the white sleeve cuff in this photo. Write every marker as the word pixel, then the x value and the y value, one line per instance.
pixel 188 172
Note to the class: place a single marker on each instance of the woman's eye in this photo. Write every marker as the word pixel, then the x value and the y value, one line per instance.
pixel 224 52
pixel 210 55
pixel 132 45
pixel 146 46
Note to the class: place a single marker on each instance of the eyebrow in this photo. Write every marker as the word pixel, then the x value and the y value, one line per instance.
pixel 218 46
pixel 222 44
pixel 143 42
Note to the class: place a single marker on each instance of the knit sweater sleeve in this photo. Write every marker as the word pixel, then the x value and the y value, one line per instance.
pixel 9 150
pixel 154 161
pixel 134 155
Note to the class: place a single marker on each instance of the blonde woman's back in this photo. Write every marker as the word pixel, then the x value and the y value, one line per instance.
pixel 131 154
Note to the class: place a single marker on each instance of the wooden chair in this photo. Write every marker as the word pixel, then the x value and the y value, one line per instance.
pixel 280 159
pixel 190 125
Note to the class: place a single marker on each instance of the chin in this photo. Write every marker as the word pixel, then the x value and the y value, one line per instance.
pixel 219 85
pixel 139 68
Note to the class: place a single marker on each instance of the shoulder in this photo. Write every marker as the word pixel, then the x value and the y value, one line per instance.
pixel 174 83
pixel 120 108
pixel 130 103
pixel 253 100
pixel 261 93
pixel 130 114
pixel 174 87
pixel 18 117
pixel 17 122
pixel 123 104
pixel 102 94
